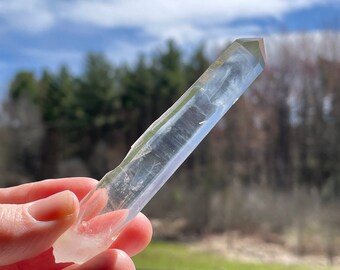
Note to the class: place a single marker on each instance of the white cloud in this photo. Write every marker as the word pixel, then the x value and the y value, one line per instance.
pixel 186 21
pixel 27 16
pixel 183 33
pixel 172 12
pixel 177 19
pixel 166 18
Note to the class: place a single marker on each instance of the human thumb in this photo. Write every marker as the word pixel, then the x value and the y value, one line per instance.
pixel 27 230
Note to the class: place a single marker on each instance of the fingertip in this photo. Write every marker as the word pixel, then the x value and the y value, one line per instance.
pixel 111 259
pixel 123 262
pixel 146 226
pixel 136 236
pixel 60 206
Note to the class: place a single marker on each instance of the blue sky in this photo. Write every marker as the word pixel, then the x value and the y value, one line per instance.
pixel 37 34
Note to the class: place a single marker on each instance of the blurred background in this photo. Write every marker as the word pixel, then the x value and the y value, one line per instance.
pixel 81 80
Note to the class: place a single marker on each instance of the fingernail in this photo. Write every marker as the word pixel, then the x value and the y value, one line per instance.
pixel 55 207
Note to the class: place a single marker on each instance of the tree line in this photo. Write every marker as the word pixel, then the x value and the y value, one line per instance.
pixel 283 133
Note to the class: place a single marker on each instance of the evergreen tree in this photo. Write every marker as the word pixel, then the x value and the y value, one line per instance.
pixel 169 78
pixel 95 103
pixel 23 84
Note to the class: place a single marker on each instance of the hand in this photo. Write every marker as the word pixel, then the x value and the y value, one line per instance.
pixel 34 215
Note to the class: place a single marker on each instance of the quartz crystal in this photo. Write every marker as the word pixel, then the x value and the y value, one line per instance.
pixel 156 155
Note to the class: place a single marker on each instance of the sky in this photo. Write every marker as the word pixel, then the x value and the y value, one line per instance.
pixel 38 34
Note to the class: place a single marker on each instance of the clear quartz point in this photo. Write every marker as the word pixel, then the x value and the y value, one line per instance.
pixel 156 155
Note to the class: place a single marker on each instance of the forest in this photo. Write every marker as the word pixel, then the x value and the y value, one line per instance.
pixel 270 166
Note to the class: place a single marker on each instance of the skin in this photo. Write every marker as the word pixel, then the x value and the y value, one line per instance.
pixel 34 215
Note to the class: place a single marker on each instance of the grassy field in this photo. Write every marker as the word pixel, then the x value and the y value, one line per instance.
pixel 175 256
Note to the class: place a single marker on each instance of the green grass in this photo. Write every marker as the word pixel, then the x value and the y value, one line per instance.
pixel 176 256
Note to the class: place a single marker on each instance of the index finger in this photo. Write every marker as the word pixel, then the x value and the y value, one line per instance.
pixel 25 193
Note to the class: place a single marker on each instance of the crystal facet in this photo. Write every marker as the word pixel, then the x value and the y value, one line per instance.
pixel 156 155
